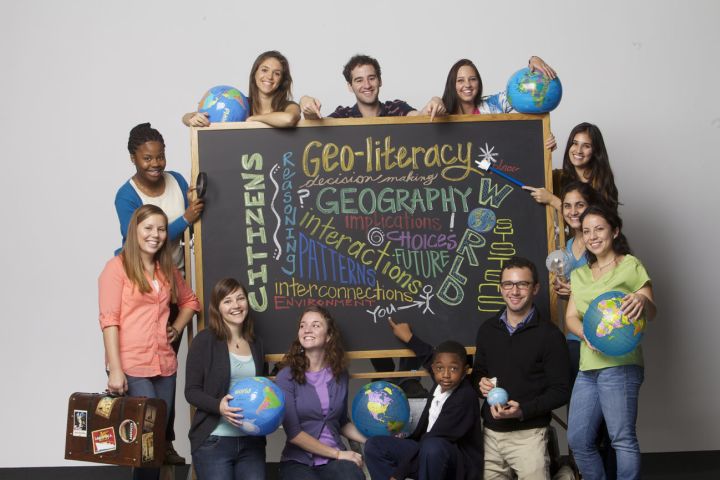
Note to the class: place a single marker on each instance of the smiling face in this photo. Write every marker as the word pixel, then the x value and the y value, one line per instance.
pixel 149 160
pixel 365 84
pixel 313 331
pixel 521 292
pixel 572 207
pixel 598 235
pixel 467 84
pixel 581 150
pixel 269 76
pixel 151 234
pixel 448 370
pixel 234 308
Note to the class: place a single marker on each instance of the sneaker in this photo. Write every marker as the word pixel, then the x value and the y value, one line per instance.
pixel 171 456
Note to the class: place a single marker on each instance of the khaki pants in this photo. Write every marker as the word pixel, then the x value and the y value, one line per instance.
pixel 523 452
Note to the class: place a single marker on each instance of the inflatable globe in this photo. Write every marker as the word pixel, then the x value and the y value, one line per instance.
pixel 608 329
pixel 497 396
pixel 224 104
pixel 263 405
pixel 533 92
pixel 380 408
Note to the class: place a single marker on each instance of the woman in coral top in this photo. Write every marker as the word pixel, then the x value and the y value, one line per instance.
pixel 136 288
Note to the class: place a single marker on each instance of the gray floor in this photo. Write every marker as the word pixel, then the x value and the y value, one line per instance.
pixel 656 466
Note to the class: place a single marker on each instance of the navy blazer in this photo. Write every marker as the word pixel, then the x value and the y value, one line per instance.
pixel 458 423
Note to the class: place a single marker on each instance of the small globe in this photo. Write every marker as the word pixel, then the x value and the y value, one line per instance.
pixel 497 396
pixel 224 104
pixel 380 408
pixel 608 329
pixel 481 220
pixel 263 405
pixel 533 92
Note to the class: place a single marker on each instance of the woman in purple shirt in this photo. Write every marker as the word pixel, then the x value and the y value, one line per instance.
pixel 314 378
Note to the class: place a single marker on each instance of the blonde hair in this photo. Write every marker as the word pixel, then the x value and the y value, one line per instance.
pixel 132 261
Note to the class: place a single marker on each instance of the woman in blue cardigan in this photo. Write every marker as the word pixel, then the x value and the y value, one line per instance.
pixel 152 184
pixel 222 354
pixel 314 380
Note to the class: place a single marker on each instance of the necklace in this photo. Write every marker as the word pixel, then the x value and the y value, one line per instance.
pixel 600 267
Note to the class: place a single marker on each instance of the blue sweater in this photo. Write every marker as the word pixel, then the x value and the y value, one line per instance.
pixel 127 201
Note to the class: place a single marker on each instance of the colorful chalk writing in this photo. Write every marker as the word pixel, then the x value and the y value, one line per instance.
pixel 371 221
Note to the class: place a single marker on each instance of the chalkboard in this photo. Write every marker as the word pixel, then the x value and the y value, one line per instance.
pixel 371 218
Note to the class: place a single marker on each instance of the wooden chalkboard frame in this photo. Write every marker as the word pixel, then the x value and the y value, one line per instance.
pixel 552 230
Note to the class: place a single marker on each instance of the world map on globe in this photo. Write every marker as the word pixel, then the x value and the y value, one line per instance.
pixel 380 408
pixel 608 328
pixel 533 92
pixel 613 318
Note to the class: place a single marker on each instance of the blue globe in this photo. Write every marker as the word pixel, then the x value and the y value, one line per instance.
pixel 380 408
pixel 263 405
pixel 482 220
pixel 497 396
pixel 608 329
pixel 224 104
pixel 533 92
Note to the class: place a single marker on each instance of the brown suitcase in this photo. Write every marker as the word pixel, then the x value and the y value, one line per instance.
pixel 120 430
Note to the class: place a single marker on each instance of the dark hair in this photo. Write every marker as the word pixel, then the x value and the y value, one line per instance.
pixel 222 289
pixel 143 133
pixel 520 262
pixel 620 244
pixel 296 359
pixel 601 175
pixel 357 61
pixel 453 347
pixel 450 97
pixel 283 95
pixel 587 192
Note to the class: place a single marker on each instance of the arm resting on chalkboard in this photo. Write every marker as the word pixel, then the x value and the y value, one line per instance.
pixel 287 118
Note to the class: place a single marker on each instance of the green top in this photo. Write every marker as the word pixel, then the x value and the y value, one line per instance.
pixel 628 276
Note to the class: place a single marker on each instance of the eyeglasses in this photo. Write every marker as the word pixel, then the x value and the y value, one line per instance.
pixel 507 286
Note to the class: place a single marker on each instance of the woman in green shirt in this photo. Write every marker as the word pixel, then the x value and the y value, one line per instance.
pixel 607 387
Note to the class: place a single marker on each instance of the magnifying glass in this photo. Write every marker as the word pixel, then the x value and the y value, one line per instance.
pixel 201 184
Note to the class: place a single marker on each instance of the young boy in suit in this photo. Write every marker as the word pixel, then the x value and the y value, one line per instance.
pixel 447 442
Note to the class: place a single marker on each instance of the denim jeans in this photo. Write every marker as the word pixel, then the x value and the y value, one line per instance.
pixel 333 470
pixel 609 393
pixel 230 458
pixel 152 387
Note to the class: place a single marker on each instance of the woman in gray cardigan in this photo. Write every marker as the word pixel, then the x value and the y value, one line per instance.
pixel 219 356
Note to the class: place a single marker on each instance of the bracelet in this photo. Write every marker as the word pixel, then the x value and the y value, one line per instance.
pixel 337 455
pixel 177 334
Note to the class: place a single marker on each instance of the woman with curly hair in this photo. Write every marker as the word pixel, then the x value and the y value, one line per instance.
pixel 314 378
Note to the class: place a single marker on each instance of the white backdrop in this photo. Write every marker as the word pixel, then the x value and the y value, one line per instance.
pixel 77 75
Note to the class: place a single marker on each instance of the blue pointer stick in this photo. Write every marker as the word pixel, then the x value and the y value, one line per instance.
pixel 507 177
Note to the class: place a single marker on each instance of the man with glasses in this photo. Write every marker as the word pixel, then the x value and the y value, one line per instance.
pixel 527 356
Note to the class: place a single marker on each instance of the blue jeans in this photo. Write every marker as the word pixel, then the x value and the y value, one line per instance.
pixel 333 470
pixel 609 393
pixel 437 458
pixel 152 387
pixel 230 458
